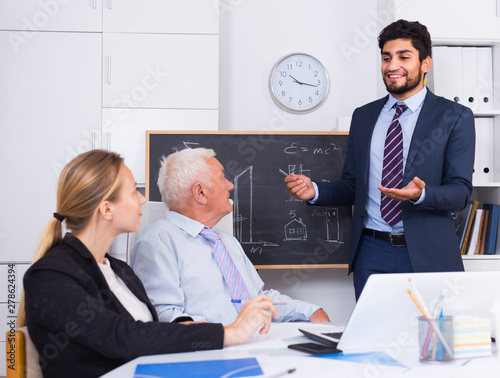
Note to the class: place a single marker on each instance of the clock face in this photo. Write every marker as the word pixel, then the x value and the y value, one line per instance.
pixel 299 83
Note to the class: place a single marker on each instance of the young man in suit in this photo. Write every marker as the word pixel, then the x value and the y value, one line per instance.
pixel 402 196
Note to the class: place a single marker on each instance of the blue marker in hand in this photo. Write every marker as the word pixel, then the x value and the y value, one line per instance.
pixel 282 172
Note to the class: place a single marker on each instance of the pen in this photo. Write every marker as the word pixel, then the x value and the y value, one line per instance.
pixel 427 337
pixel 282 172
pixel 243 301
pixel 281 373
pixel 440 350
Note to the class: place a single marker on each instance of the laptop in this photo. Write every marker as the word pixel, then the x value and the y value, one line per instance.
pixel 385 316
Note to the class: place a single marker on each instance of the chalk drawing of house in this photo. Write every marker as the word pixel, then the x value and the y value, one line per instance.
pixel 295 230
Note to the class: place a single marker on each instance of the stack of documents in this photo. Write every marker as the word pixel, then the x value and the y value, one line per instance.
pixel 472 336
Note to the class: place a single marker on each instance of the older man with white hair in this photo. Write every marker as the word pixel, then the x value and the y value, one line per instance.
pixel 189 270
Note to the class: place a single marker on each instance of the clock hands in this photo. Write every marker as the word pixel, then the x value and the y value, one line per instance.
pixel 294 79
pixel 298 82
pixel 311 85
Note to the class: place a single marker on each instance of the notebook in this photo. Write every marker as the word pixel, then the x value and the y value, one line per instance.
pixel 385 317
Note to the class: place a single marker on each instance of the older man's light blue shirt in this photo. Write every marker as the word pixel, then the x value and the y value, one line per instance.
pixel 181 277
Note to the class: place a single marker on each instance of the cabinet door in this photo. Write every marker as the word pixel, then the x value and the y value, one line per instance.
pixel 450 19
pixel 53 15
pixel 161 16
pixel 160 71
pixel 51 109
pixel 124 131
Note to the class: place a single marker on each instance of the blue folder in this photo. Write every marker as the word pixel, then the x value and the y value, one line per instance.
pixel 241 367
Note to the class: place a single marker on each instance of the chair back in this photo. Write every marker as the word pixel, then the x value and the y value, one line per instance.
pixel 22 356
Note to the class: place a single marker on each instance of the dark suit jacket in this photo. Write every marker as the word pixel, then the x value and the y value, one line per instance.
pixel 79 327
pixel 441 154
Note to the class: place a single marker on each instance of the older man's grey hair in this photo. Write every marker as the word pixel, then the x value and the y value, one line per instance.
pixel 179 171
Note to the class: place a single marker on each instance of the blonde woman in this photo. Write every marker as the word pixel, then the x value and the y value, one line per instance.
pixel 87 312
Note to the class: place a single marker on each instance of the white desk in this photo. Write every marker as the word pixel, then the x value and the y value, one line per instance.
pixel 273 355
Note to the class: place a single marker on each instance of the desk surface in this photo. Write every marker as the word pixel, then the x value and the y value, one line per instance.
pixel 274 356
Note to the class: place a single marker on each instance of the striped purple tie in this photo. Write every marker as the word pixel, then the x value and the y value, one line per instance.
pixel 392 171
pixel 235 283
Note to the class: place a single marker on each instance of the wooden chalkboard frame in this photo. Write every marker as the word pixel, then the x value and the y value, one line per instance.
pixel 151 134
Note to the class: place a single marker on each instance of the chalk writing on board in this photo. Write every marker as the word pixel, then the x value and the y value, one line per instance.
pixel 294 148
pixel 296 229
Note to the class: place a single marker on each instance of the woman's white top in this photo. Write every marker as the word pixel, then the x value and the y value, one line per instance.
pixel 132 304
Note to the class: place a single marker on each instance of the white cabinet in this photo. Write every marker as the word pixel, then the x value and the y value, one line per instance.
pixel 482 263
pixel 160 71
pixel 124 130
pixel 448 19
pixel 161 16
pixel 156 82
pixel 48 15
pixel 51 111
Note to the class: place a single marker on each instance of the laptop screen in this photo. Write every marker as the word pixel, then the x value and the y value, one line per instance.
pixel 385 316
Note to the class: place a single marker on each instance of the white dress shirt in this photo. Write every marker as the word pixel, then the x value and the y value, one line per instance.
pixel 182 278
pixel 408 121
pixel 132 304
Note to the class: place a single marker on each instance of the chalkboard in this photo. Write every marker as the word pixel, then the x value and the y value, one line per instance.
pixel 275 230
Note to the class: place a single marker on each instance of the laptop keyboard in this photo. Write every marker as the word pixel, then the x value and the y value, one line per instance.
pixel 335 335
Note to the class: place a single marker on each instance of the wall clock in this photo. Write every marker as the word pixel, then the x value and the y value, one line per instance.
pixel 299 83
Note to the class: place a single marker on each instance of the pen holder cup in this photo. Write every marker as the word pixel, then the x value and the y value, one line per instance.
pixel 435 336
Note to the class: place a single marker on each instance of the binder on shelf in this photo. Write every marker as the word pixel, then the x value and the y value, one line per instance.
pixel 484 159
pixel 491 228
pixel 475 232
pixel 469 74
pixel 470 221
pixel 482 233
pixel 462 219
pixel 484 79
pixel 447 75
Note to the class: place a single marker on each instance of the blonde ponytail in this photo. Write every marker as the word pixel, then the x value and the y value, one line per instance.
pixel 85 182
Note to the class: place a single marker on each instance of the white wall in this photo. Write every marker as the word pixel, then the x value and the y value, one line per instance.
pixel 254 35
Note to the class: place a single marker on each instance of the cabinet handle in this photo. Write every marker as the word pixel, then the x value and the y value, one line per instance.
pixel 109 69
pixel 498 8
pixel 108 142
pixel 93 139
pixel 109 4
pixel 95 4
